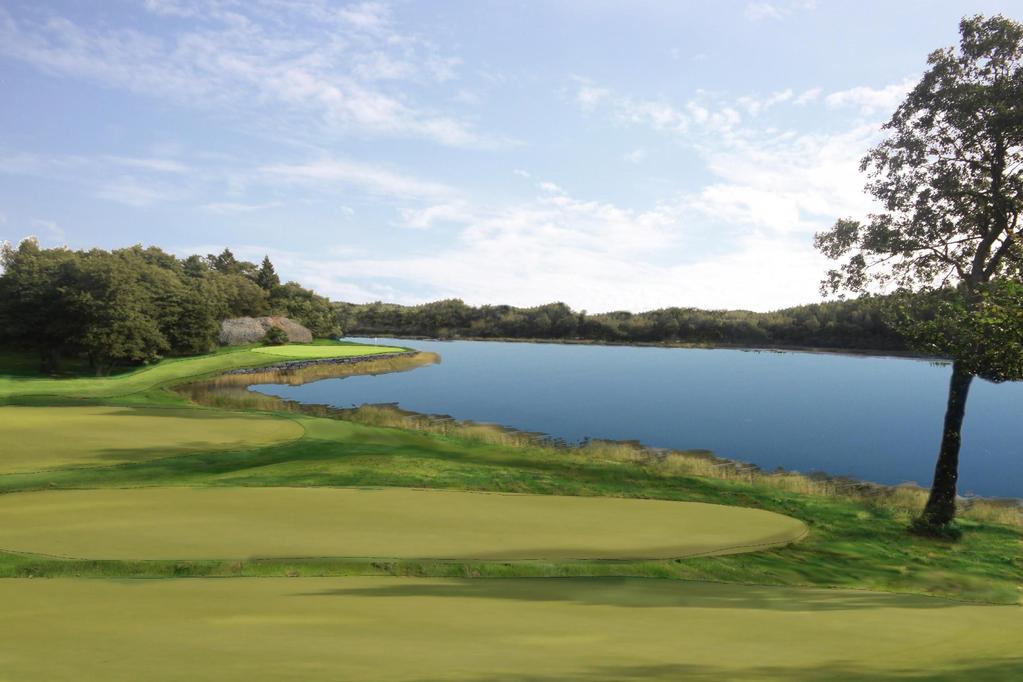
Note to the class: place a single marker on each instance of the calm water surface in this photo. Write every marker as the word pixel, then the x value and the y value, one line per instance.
pixel 877 419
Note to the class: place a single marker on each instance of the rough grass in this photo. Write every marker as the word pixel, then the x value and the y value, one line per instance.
pixel 238 523
pixel 38 438
pixel 550 630
pixel 906 502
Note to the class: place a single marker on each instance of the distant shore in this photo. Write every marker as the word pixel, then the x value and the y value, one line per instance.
pixel 769 348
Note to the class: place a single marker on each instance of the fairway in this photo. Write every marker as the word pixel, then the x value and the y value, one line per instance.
pixel 535 630
pixel 239 523
pixel 37 438
pixel 177 369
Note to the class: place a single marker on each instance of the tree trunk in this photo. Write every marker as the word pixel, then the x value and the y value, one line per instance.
pixel 941 505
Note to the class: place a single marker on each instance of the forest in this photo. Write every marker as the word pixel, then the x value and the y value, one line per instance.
pixel 135 305
pixel 853 324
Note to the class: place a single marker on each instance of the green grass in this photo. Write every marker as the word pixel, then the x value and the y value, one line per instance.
pixel 738 616
pixel 42 438
pixel 850 544
pixel 549 630
pixel 238 523
pixel 167 372
pixel 313 352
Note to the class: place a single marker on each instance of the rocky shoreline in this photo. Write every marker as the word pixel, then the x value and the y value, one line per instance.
pixel 300 364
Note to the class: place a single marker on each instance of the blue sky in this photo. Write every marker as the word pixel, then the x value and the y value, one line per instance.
pixel 612 155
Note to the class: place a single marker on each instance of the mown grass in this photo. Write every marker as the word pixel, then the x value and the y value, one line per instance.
pixel 38 438
pixel 241 522
pixel 852 543
pixel 420 630
pixel 18 388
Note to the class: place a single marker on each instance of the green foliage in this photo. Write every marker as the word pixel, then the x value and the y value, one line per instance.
pixel 275 336
pixel 305 307
pixel 267 277
pixel 948 175
pixel 949 178
pixel 132 306
pixel 841 324
pixel 986 337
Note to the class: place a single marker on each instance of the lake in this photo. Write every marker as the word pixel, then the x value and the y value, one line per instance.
pixel 873 418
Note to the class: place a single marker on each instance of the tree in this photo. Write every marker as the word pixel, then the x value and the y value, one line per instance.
pixel 112 307
pixel 225 263
pixel 949 180
pixel 275 336
pixel 33 292
pixel 267 277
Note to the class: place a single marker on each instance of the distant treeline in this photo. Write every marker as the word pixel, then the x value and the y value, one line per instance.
pixel 856 324
pixel 133 305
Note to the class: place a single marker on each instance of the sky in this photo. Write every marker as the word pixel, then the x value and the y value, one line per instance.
pixel 611 155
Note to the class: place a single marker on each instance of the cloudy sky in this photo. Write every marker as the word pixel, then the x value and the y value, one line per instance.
pixel 612 155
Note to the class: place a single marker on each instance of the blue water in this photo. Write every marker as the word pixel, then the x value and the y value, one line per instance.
pixel 877 419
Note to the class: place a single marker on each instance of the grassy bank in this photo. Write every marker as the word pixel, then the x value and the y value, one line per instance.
pixel 19 386
pixel 857 536
pixel 852 543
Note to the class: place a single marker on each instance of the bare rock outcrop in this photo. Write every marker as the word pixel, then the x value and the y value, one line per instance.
pixel 241 330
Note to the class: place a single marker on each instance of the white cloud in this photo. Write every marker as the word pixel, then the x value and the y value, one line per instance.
pixel 637 155
pixel 153 164
pixel 332 173
pixel 763 10
pixel 757 11
pixel 136 192
pixel 228 207
pixel 807 96
pixel 557 246
pixel 755 105
pixel 589 97
pixel 550 188
pixel 870 100
pixel 300 66
pixel 366 16
pixel 425 218
pixel 51 233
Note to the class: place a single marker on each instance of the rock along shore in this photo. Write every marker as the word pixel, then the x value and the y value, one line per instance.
pixel 299 364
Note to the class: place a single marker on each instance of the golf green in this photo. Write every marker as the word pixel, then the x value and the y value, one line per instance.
pixel 237 523
pixel 37 438
pixel 528 630
pixel 314 352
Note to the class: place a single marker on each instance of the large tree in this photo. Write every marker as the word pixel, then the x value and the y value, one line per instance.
pixel 948 179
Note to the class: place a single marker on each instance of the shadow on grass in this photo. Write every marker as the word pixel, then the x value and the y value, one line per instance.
pixel 973 671
pixel 633 593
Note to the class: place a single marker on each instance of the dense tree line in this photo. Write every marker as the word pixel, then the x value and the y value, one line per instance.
pixel 859 324
pixel 134 305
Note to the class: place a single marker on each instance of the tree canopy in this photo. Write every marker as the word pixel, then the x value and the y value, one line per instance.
pixel 948 179
pixel 133 305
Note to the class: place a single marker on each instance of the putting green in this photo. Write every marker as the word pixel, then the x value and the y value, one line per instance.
pixel 314 352
pixel 36 438
pixel 540 630
pixel 236 523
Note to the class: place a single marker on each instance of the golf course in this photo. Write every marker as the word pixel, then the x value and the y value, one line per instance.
pixel 145 536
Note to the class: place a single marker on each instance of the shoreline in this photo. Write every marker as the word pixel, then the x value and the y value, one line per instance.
pixel 813 350
pixel 292 365
pixel 289 373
